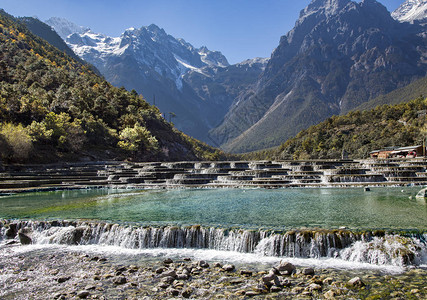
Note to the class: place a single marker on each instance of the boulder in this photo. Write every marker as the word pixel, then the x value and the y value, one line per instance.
pixel 12 231
pixel 203 264
pixel 228 268
pixel 286 268
pixel 356 282
pixel 24 238
pixel 308 271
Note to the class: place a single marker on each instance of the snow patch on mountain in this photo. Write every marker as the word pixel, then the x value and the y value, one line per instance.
pixel 150 46
pixel 64 27
pixel 411 10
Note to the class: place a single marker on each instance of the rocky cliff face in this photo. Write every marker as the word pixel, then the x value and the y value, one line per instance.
pixel 183 81
pixel 339 54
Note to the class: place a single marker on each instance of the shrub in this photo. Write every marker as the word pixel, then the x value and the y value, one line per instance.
pixel 17 142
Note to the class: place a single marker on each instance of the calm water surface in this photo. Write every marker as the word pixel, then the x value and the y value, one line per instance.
pixel 386 208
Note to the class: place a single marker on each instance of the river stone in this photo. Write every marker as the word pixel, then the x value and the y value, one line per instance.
pixel 269 278
pixel 275 289
pixel 203 264
pixel 170 273
pixel 11 231
pixel 83 294
pixel 168 261
pixel 252 293
pixel 182 277
pixel 329 294
pixel 228 268
pixel 63 279
pixel 120 280
pixel 168 279
pixel 246 273
pixel 314 287
pixel 308 271
pixel 174 292
pixel 159 270
pixel 356 281
pixel 286 268
pixel 217 265
pixel 187 293
pixel 24 239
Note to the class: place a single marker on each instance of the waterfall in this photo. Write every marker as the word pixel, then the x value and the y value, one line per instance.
pixel 374 247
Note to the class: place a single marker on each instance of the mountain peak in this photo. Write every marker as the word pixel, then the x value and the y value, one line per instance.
pixel 64 27
pixel 329 7
pixel 411 10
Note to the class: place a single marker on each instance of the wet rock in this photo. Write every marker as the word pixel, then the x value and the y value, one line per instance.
pixel 63 279
pixel 182 277
pixel 329 294
pixel 168 261
pixel 275 289
pixel 120 280
pixel 314 287
pixel 24 238
pixel 159 270
pixel 187 259
pixel 83 294
pixel 187 293
pixel 228 268
pixel 217 265
pixel 308 271
pixel 12 231
pixel 174 292
pixel 269 278
pixel 356 282
pixel 169 273
pixel 286 268
pixel 203 264
pixel 168 279
pixel 90 287
pixel 246 273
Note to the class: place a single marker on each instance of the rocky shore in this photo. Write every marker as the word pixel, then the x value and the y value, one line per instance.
pixel 43 273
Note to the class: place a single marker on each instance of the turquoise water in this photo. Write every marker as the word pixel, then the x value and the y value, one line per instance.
pixel 382 208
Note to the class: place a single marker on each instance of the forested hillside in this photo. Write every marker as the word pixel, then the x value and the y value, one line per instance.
pixel 53 107
pixel 358 133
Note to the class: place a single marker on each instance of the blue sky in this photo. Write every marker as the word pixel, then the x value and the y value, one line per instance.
pixel 240 29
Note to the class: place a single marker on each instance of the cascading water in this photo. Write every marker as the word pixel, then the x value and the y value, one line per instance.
pixel 368 247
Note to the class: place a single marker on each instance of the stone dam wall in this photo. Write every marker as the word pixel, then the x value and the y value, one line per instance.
pixel 246 174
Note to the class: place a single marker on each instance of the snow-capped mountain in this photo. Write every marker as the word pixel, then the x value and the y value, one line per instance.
pixel 411 10
pixel 166 70
pixel 150 46
pixel 64 27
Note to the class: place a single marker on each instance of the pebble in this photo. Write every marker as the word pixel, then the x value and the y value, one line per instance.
pixel 120 280
pixel 83 294
pixel 63 279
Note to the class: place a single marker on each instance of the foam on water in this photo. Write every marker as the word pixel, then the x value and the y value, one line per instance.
pixel 127 256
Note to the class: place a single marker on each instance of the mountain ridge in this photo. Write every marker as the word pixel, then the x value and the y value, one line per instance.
pixel 165 70
pixel 339 54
